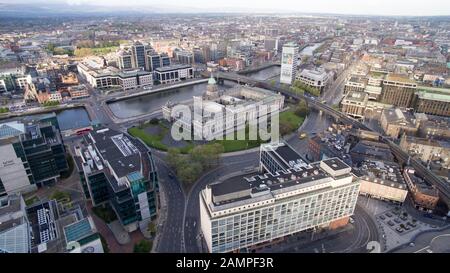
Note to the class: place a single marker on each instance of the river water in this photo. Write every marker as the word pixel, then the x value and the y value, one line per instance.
pixel 67 119
pixel 265 74
pixel 149 103
pixel 153 102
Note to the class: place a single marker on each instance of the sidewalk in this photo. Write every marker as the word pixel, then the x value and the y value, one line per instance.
pixel 161 220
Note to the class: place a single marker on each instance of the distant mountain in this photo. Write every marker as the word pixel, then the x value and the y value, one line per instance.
pixel 59 9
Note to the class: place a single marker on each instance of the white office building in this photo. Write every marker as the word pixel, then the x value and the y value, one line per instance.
pixel 289 63
pixel 248 211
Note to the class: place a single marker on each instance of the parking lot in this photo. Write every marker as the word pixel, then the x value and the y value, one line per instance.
pixel 398 220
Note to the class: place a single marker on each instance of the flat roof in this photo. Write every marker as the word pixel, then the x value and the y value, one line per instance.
pixel 172 67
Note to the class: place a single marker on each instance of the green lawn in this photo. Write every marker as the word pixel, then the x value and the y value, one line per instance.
pixel 153 141
pixel 290 117
pixel 103 50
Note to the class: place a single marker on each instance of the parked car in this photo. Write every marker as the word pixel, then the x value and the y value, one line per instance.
pixel 399 230
pixel 391 223
pixel 388 214
pixel 382 217
pixel 397 220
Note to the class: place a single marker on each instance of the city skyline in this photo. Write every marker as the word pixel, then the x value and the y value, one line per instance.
pixel 345 7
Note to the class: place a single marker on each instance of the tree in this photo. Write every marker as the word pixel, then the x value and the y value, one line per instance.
pixel 285 128
pixel 83 52
pixel 143 246
pixel 302 109
pixel 152 228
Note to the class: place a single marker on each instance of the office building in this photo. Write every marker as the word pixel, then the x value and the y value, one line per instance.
pixel 355 83
pixel 396 122
pixel 432 100
pixel 426 149
pixel 289 61
pixel 247 211
pixel 102 77
pixel 15 233
pixel 354 104
pixel 398 90
pixel 31 158
pixel 316 78
pixel 173 73
pixel 424 195
pixel 119 170
pixel 382 180
pixel 184 57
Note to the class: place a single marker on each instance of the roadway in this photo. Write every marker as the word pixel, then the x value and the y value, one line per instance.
pixel 170 240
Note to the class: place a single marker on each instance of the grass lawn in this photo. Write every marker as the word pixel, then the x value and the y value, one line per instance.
pixel 153 141
pixel 290 117
pixel 239 145
pixel 104 50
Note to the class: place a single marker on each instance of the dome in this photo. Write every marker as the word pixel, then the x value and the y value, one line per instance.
pixel 211 80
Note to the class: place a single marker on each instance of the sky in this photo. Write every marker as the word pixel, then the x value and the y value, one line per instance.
pixel 362 7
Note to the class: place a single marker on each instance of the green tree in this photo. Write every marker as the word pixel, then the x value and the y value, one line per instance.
pixel 143 246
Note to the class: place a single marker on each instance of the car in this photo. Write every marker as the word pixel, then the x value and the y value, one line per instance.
pixel 351 220
pixel 412 244
pixel 382 217
pixel 391 223
pixel 397 220
pixel 388 214
pixel 404 218
pixel 406 228
pixel 411 224
pixel 429 251
pixel 399 230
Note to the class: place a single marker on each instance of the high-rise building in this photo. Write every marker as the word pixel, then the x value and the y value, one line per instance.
pixel 141 56
pixel 247 211
pixel 139 51
pixel 289 63
pixel 125 60
pixel 119 170
pixel 398 90
pixel 33 158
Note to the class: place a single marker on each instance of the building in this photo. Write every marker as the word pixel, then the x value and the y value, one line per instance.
pixel 432 100
pixel 426 149
pixel 102 77
pixel 396 122
pixel 247 211
pixel 424 195
pixel 173 73
pixel 271 44
pixel 277 157
pixel 83 235
pixel 33 158
pixel 125 60
pixel 398 91
pixel 354 104
pixel 226 111
pixel 382 180
pixel 366 149
pixel 317 78
pixel 432 127
pixel 355 83
pixel 15 233
pixel 184 57
pixel 289 63
pixel 118 170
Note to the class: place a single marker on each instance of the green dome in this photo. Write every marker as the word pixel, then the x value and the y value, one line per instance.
pixel 211 80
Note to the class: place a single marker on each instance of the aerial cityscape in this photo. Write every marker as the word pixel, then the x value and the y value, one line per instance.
pixel 236 127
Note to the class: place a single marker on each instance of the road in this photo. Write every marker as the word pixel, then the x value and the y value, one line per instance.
pixel 228 165
pixel 353 238
pixel 429 242
pixel 170 240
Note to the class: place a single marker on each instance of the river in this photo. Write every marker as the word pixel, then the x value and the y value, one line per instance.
pixel 149 103
pixel 265 74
